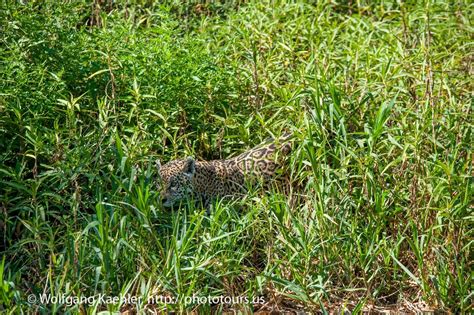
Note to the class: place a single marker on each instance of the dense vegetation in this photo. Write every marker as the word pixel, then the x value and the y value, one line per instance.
pixel 377 94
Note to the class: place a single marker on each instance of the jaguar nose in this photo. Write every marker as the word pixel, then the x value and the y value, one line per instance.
pixel 166 202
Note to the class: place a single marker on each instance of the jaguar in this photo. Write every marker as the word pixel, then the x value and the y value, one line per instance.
pixel 185 179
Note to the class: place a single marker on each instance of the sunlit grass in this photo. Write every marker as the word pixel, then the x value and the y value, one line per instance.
pixel 377 96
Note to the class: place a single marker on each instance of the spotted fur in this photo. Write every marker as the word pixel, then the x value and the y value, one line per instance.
pixel 187 178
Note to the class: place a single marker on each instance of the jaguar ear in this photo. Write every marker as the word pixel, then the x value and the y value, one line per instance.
pixel 190 167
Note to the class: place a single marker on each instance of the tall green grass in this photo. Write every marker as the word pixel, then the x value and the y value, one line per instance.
pixel 378 96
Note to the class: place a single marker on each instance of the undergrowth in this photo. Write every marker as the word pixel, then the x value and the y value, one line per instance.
pixel 377 94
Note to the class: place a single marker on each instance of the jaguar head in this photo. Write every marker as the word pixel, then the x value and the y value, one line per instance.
pixel 176 180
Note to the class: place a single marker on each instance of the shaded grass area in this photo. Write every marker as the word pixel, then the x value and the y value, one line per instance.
pixel 377 95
